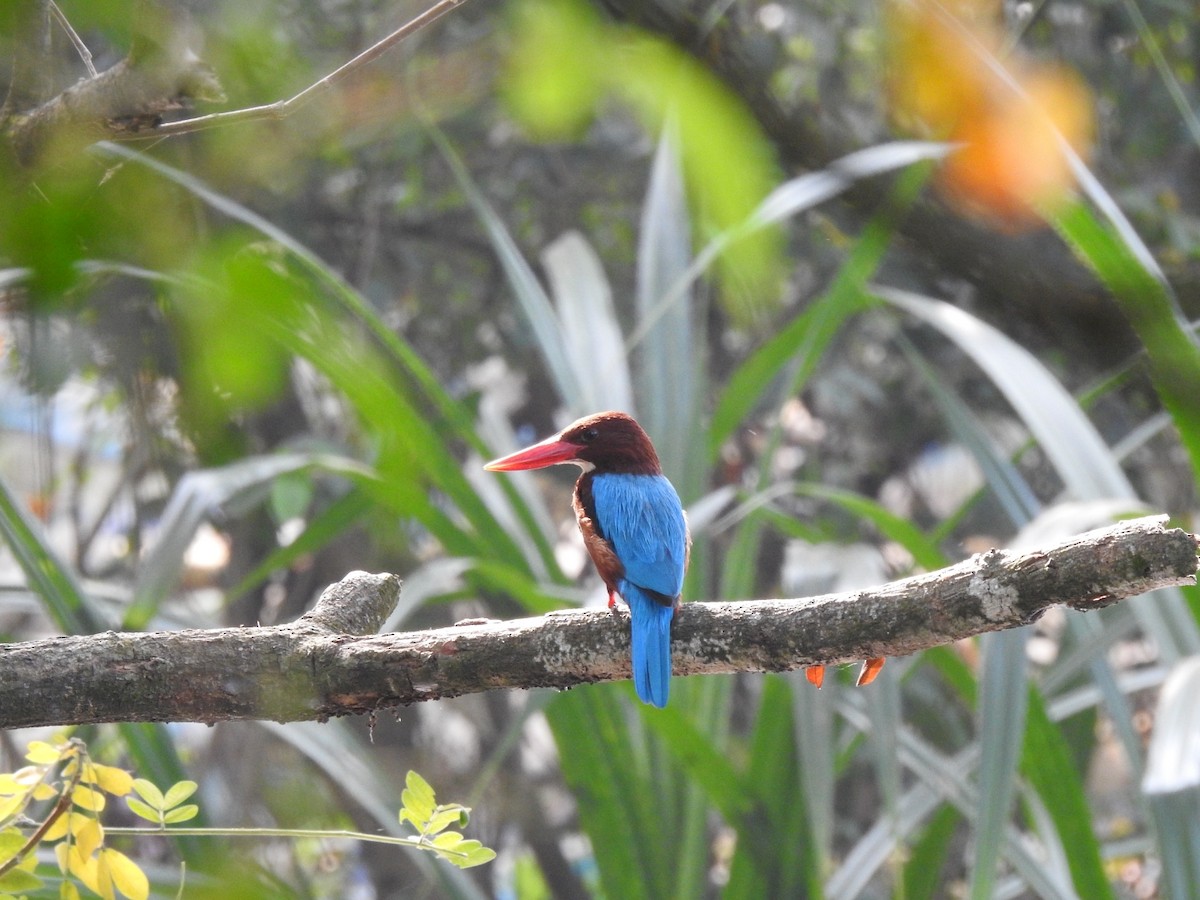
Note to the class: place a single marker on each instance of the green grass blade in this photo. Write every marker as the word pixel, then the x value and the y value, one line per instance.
pixel 1079 455
pixel 925 552
pixel 1002 713
pixel 705 763
pixel 529 293
pixel 65 602
pixel 806 337
pixel 927 857
pixel 327 525
pixel 1172 782
pixel 239 485
pixel 389 410
pixel 816 743
pixel 1166 74
pixel 1047 764
pixel 587 327
pixel 614 797
pixel 775 855
pixel 670 375
pixel 1147 303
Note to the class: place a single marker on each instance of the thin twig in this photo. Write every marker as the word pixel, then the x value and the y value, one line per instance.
pixel 282 108
pixel 80 47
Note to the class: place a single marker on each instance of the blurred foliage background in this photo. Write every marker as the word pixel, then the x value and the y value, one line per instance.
pixel 242 362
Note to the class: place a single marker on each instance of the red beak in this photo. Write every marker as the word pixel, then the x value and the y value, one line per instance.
pixel 548 453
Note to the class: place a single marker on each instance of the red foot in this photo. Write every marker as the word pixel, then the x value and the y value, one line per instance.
pixel 815 676
pixel 870 669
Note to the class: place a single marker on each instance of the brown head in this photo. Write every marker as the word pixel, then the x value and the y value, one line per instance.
pixel 603 442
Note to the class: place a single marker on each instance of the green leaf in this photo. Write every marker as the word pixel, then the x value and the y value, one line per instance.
pixel 418 798
pixel 447 840
pixel 149 792
pixel 149 813
pixel 17 880
pixel 443 817
pixel 181 814
pixel 476 857
pixel 179 792
pixel 154 756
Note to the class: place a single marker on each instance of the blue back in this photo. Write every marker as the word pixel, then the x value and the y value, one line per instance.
pixel 641 516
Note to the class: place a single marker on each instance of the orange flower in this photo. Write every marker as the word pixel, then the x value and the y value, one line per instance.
pixel 946 83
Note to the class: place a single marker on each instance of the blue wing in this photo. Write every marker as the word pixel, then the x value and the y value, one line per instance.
pixel 642 518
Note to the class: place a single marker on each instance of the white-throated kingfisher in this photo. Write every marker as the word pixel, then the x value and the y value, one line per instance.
pixel 633 527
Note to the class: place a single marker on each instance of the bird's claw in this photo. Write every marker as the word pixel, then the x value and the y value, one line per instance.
pixel 870 669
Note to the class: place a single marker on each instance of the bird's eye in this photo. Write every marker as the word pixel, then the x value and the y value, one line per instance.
pixel 589 435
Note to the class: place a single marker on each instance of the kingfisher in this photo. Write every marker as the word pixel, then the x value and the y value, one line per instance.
pixel 633 526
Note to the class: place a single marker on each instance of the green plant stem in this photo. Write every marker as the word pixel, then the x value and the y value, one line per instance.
pixel 418 842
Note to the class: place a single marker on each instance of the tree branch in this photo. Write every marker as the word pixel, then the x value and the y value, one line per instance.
pixel 282 108
pixel 127 102
pixel 326 665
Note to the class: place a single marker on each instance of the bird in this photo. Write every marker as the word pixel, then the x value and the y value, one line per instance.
pixel 633 527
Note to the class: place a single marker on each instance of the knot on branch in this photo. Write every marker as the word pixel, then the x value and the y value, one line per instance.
pixel 358 604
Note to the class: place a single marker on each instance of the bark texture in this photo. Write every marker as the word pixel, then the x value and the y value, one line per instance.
pixel 328 664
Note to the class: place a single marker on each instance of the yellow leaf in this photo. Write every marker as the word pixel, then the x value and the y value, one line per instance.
pixel 44 791
pixel 59 828
pixel 102 877
pixel 10 806
pixel 70 862
pixel 128 877
pixel 86 798
pixel 43 754
pixel 89 837
pixel 9 785
pixel 110 779
pixel 68 891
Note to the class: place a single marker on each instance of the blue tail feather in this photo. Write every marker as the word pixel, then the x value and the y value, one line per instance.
pixel 651 627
